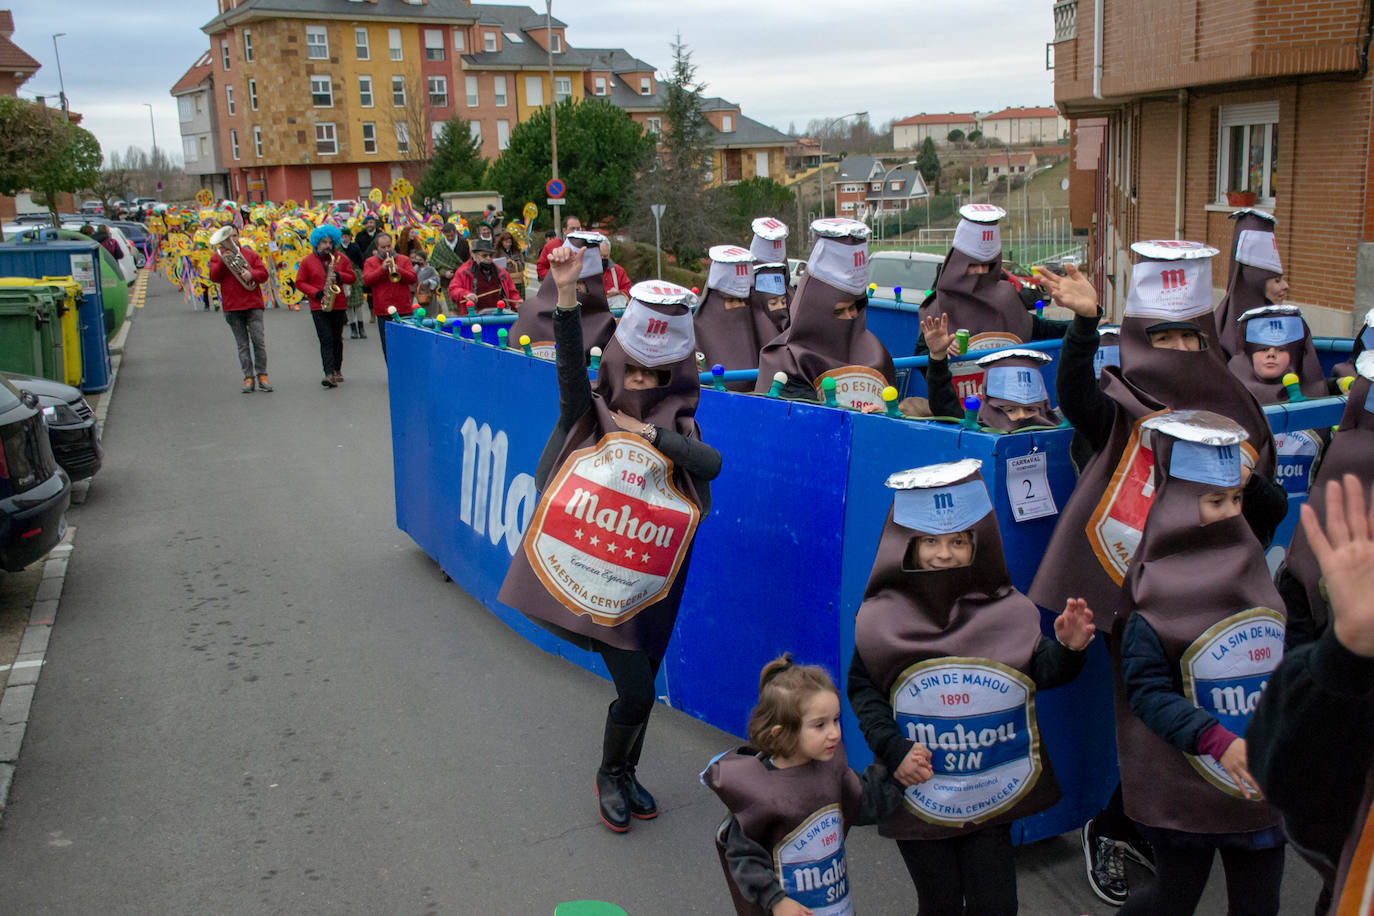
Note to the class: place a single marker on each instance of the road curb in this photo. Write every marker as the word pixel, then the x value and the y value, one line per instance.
pixel 21 677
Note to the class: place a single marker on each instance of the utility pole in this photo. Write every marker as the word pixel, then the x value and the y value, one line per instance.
pixel 553 109
pixel 157 165
pixel 61 84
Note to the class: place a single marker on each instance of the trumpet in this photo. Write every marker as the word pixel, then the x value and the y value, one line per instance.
pixel 391 268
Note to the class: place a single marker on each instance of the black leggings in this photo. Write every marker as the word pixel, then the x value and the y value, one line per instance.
pixel 973 874
pixel 1253 877
pixel 633 673
pixel 329 329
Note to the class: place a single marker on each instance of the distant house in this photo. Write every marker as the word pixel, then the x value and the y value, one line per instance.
pixel 863 185
pixel 198 123
pixel 1025 125
pixel 804 153
pixel 910 133
pixel 996 166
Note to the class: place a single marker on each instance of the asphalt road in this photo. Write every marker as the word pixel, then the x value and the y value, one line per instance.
pixel 261 697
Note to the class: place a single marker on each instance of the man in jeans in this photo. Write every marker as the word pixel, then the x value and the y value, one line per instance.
pixel 240 292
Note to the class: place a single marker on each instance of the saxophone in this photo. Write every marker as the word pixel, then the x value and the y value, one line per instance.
pixel 238 265
pixel 331 287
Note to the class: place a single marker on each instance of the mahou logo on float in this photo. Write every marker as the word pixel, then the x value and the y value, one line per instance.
pixel 611 533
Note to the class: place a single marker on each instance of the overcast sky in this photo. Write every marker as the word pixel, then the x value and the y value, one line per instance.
pixel 781 61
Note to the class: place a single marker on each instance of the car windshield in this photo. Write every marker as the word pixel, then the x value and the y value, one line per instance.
pixel 907 274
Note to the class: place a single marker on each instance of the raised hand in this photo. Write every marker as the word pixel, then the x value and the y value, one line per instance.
pixel 565 263
pixel 1345 553
pixel 1075 628
pixel 1072 291
pixel 938 339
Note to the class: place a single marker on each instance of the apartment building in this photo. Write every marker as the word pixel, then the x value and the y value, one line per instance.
pixel 1183 109
pixel 910 133
pixel 196 119
pixel 320 99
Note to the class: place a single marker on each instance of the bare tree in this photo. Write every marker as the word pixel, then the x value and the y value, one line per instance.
pixel 412 124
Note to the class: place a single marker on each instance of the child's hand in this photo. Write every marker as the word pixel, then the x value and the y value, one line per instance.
pixel 789 907
pixel 938 339
pixel 871 408
pixel 1075 628
pixel 565 263
pixel 1072 291
pixel 1345 553
pixel 1234 762
pixel 915 768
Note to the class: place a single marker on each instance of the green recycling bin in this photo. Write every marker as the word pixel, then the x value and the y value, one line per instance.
pixel 31 332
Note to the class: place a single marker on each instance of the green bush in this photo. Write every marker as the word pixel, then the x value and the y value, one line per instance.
pixel 640 263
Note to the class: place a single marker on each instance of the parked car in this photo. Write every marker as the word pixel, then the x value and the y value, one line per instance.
pixel 144 202
pixel 138 236
pixel 796 269
pixel 913 271
pixel 34 490
pixel 93 206
pixel 73 431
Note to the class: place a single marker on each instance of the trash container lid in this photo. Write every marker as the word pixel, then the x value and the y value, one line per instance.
pixel 588 908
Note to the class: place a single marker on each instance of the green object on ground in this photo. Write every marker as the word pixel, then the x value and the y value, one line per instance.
pixel 588 908
pixel 30 332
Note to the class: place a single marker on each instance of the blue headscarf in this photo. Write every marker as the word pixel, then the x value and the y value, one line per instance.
pixel 326 231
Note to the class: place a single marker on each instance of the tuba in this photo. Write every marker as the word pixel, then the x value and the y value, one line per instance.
pixel 232 257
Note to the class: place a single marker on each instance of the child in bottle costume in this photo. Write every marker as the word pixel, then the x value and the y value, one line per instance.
pixel 948 657
pixel 792 799
pixel 625 480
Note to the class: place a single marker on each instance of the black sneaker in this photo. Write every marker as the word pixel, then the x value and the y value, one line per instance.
pixel 1105 862
pixel 1140 852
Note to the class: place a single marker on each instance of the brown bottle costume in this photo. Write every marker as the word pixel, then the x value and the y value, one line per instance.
pixel 815 341
pixel 1364 340
pixel 799 816
pixel 728 337
pixel 983 304
pixel 1279 326
pixel 536 315
pixel 1149 380
pixel 1245 286
pixel 771 278
pixel 966 630
pixel 1012 379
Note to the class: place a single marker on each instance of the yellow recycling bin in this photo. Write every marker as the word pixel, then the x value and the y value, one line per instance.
pixel 70 293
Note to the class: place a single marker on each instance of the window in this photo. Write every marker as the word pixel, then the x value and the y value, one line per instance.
pixel 557 43
pixel 513 38
pixel 534 91
pixel 188 148
pixel 475 130
pixel 369 137
pixel 393 41
pixel 727 124
pixel 321 92
pixel 186 108
pixel 257 143
pixel 200 102
pixel 204 145
pixel 601 85
pixel 325 142
pixel 361 49
pixel 646 86
pixel 502 134
pixel 253 94
pixel 321 185
pixel 847 206
pixel 471 84
pixel 894 186
pixel 248 46
pixel 229 99
pixel 435 129
pixel 761 164
pixel 397 172
pixel 459 42
pixel 402 138
pixel 398 91
pixel 224 53
pixel 316 43
pixel 1248 150
pixel 365 91
pixel 562 88
pixel 234 143
pixel 438 91
pixel 877 185
pixel 364 181
pixel 488 41
pixel 653 125
pixel 498 86
pixel 434 44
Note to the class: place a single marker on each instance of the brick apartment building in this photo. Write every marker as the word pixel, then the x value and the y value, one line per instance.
pixel 1176 103
pixel 320 99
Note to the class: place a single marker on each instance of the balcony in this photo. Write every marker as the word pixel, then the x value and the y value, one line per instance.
pixel 1065 20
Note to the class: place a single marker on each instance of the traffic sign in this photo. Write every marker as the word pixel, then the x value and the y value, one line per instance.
pixel 657 210
pixel 555 187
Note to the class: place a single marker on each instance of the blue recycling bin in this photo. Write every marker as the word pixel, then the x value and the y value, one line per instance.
pixel 81 261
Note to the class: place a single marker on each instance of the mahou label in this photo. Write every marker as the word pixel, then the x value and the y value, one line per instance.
pixel 977 717
pixel 811 866
pixel 612 530
pixel 855 386
pixel 1224 672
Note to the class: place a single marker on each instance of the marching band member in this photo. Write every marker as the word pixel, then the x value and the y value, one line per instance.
pixel 320 278
pixel 480 284
pixel 389 276
pixel 240 274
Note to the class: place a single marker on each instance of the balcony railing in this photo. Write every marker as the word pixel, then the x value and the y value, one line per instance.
pixel 1066 19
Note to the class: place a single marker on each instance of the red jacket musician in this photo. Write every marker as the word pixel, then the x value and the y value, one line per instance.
pixel 480 284
pixel 240 280
pixel 391 277
pixel 329 321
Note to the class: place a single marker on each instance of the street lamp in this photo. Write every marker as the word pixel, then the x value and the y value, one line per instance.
pixel 62 86
pixel 820 147
pixel 157 166
pixel 882 190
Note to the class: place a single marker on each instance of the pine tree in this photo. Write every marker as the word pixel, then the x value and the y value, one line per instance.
pixel 929 163
pixel 457 163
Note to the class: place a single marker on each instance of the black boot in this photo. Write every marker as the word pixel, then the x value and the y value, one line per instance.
pixel 353 330
pixel 641 803
pixel 611 785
